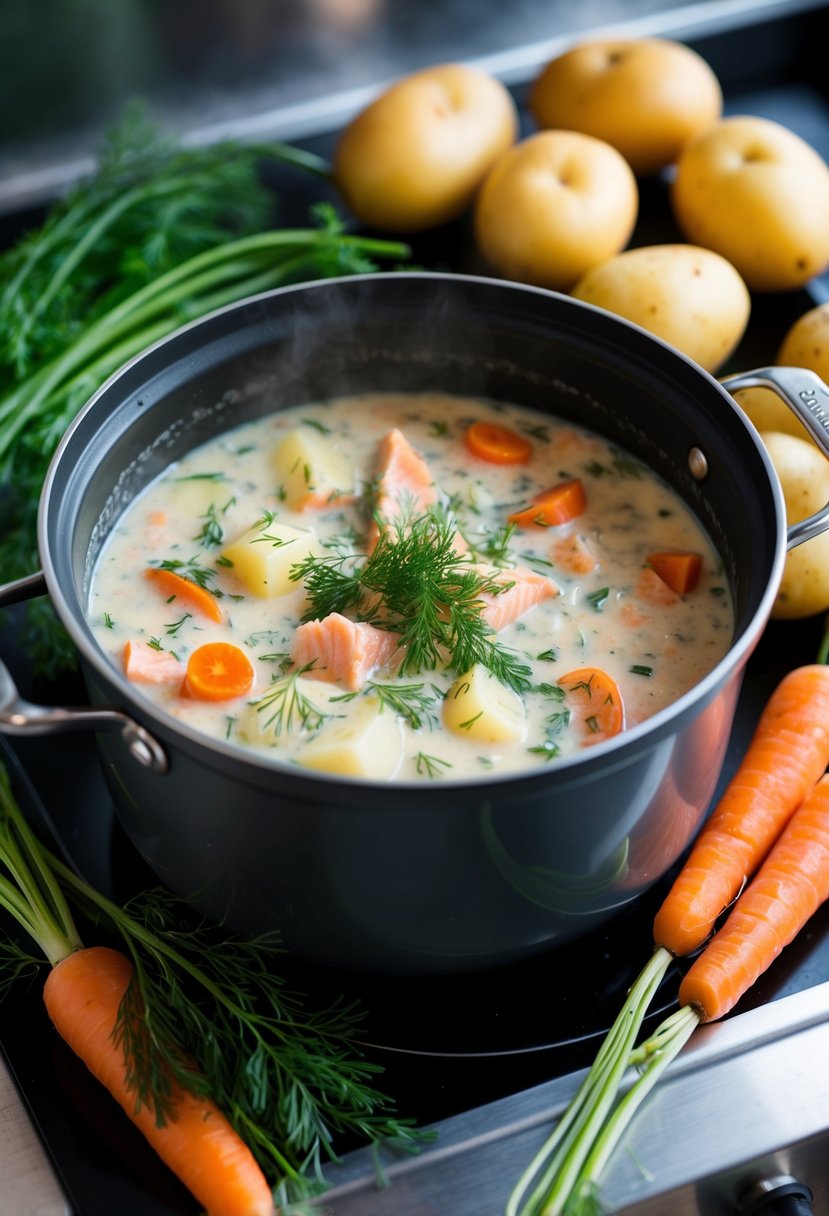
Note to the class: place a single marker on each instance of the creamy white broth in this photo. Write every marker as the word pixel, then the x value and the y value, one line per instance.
pixel 610 611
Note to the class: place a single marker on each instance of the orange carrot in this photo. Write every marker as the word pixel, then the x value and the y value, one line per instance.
pixel 787 890
pixel 788 753
pixel 552 507
pixel 497 444
pixel 185 591
pixel 756 827
pixel 218 671
pixel 600 701
pixel 680 571
pixel 83 993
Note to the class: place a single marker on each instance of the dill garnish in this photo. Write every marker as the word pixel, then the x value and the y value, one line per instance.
pixel 286 706
pixel 416 584
pixel 409 701
pixel 190 569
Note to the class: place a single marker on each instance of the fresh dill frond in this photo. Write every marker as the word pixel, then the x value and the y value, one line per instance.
pixel 415 583
pixel 189 568
pixel 410 701
pixel 285 707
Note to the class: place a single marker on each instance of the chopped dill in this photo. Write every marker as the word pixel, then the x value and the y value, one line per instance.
pixel 173 628
pixel 285 707
pixel 430 766
pixel 598 599
pixel 190 569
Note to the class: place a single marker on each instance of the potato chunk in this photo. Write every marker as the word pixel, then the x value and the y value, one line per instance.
pixel 367 744
pixel 311 471
pixel 479 707
pixel 263 556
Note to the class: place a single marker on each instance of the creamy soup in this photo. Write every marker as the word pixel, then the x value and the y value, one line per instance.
pixel 411 586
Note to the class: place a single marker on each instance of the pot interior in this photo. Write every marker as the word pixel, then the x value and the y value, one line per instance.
pixel 412 332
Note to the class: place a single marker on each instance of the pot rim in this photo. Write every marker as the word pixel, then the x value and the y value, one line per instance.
pixel 603 755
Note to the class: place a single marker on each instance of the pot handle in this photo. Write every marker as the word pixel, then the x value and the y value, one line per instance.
pixel 21 717
pixel 807 396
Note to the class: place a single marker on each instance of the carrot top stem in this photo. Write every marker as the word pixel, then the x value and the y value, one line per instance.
pixel 656 1052
pixel 31 894
pixel 556 1169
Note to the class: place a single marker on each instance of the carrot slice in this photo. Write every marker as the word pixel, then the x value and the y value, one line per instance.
pixel 82 995
pixel 218 671
pixel 173 586
pixel 680 571
pixel 789 887
pixel 552 507
pixel 497 444
pixel 599 700
pixel 788 753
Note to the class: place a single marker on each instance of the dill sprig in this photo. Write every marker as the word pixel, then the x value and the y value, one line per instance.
pixel 208 1011
pixel 414 702
pixel 416 584
pixel 285 707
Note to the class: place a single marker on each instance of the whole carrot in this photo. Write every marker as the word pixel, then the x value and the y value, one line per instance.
pixel 789 887
pixel 787 754
pixel 787 890
pixel 83 994
pixel 86 996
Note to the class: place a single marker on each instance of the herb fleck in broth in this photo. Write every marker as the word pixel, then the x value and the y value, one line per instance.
pixel 402 627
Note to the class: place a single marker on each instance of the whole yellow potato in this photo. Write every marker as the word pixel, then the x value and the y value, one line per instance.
pixel 689 297
pixel 554 205
pixel 757 193
pixel 645 96
pixel 414 157
pixel 803 472
pixel 806 344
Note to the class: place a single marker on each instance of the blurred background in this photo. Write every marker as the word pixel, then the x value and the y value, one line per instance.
pixel 256 68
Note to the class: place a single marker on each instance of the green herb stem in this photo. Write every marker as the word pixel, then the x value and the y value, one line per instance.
pixel 559 1166
pixel 659 1051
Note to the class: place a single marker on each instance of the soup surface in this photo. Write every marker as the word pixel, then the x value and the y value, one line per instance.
pixel 410 586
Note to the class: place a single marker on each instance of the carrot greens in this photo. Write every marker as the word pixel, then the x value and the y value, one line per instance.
pixel 206 1013
pixel 158 235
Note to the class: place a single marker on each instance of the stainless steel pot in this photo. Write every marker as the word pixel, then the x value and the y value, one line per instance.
pixel 441 875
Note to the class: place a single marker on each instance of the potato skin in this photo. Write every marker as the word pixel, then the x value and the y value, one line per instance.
pixel 803 472
pixel 553 206
pixel 689 297
pixel 647 97
pixel 755 192
pixel 806 344
pixel 414 157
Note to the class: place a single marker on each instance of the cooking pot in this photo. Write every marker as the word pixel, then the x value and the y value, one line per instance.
pixel 439 875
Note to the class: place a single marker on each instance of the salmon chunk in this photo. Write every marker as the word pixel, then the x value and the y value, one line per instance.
pixel 144 664
pixel 523 590
pixel 403 482
pixel 340 651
